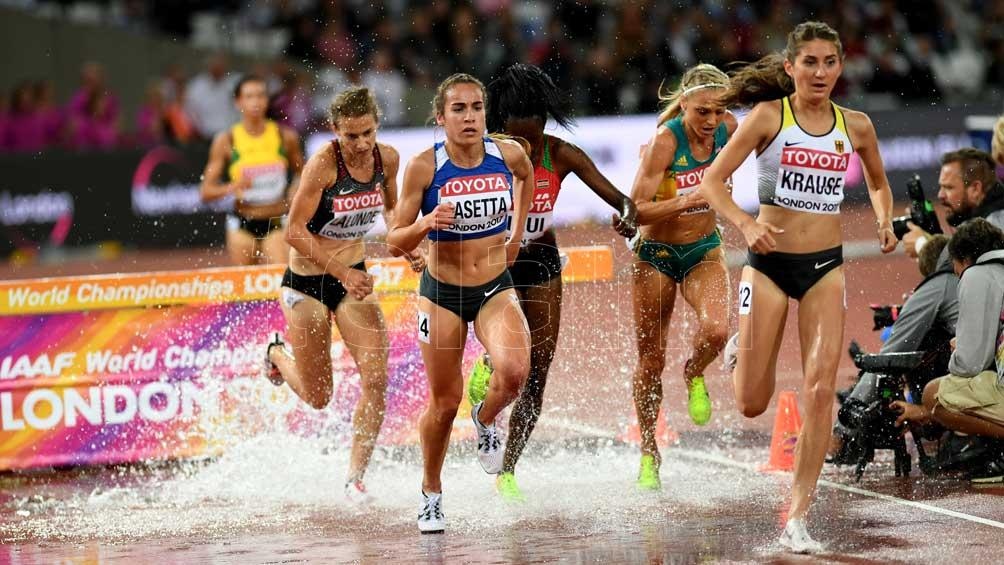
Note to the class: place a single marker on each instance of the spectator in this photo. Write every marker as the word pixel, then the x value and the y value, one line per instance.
pixel 172 84
pixel 920 80
pixel 179 125
pixel 423 63
pixel 553 53
pixel 209 98
pixel 50 114
pixel 291 105
pixel 387 84
pixel 894 49
pixel 24 129
pixel 303 31
pixel 335 44
pixel 4 117
pixel 93 111
pixel 466 43
pixel 151 118
pixel 602 86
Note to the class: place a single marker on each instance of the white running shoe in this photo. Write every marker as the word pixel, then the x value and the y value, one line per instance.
pixel 796 538
pixel 430 517
pixel 356 494
pixel 491 445
pixel 731 355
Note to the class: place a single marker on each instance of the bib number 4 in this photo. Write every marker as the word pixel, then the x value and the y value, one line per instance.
pixel 423 327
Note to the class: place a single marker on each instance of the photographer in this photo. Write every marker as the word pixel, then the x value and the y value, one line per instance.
pixel 971 398
pixel 927 319
pixel 968 188
pixel 926 322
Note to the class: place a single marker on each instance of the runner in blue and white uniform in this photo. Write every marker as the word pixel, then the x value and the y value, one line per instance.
pixel 465 187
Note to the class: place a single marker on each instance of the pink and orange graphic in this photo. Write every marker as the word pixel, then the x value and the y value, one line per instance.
pixel 119 368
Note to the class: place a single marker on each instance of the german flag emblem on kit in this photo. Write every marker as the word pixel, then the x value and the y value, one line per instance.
pixel 838 144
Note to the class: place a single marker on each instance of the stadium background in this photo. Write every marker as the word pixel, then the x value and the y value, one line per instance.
pixel 103 137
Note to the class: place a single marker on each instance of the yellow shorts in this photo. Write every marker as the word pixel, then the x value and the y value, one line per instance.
pixel 978 396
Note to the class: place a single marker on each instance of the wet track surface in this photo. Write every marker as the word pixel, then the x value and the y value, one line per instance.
pixel 582 508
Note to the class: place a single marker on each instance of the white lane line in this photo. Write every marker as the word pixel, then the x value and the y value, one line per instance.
pixel 594 431
pixel 713 458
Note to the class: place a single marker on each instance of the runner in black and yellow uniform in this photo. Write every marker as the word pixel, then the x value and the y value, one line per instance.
pixel 263 161
pixel 679 245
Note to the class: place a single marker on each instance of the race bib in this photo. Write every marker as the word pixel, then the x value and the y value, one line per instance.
pixel 354 215
pixel 811 180
pixel 688 182
pixel 268 183
pixel 541 213
pixel 482 202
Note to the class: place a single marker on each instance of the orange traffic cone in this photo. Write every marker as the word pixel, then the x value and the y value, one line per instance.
pixel 787 424
pixel 664 435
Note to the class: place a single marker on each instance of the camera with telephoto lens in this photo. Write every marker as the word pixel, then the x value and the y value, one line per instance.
pixel 921 212
pixel 866 413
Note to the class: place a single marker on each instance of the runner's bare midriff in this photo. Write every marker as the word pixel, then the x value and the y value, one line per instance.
pixel 468 263
pixel 682 229
pixel 261 212
pixel 804 232
pixel 347 253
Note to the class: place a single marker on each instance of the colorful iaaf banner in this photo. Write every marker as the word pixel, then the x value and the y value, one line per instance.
pixel 119 368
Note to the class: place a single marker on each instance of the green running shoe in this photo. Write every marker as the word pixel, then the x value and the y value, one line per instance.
pixel 648 475
pixel 477 384
pixel 698 401
pixel 507 488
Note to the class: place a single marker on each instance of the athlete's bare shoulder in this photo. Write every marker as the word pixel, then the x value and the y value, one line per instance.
pixel 421 167
pixel 770 109
pixel 857 121
pixel 323 156
pixel 425 158
pixel 389 155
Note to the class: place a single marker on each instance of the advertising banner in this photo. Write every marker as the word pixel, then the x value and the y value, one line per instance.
pixel 143 198
pixel 150 197
pixel 119 368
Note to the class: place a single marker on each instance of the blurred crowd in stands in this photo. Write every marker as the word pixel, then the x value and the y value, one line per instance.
pixel 611 56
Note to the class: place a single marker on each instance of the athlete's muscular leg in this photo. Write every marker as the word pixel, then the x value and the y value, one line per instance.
pixel 821 334
pixel 654 296
pixel 308 331
pixel 441 341
pixel 362 327
pixel 501 328
pixel 763 309
pixel 240 247
pixel 706 289
pixel 542 306
pixel 274 247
